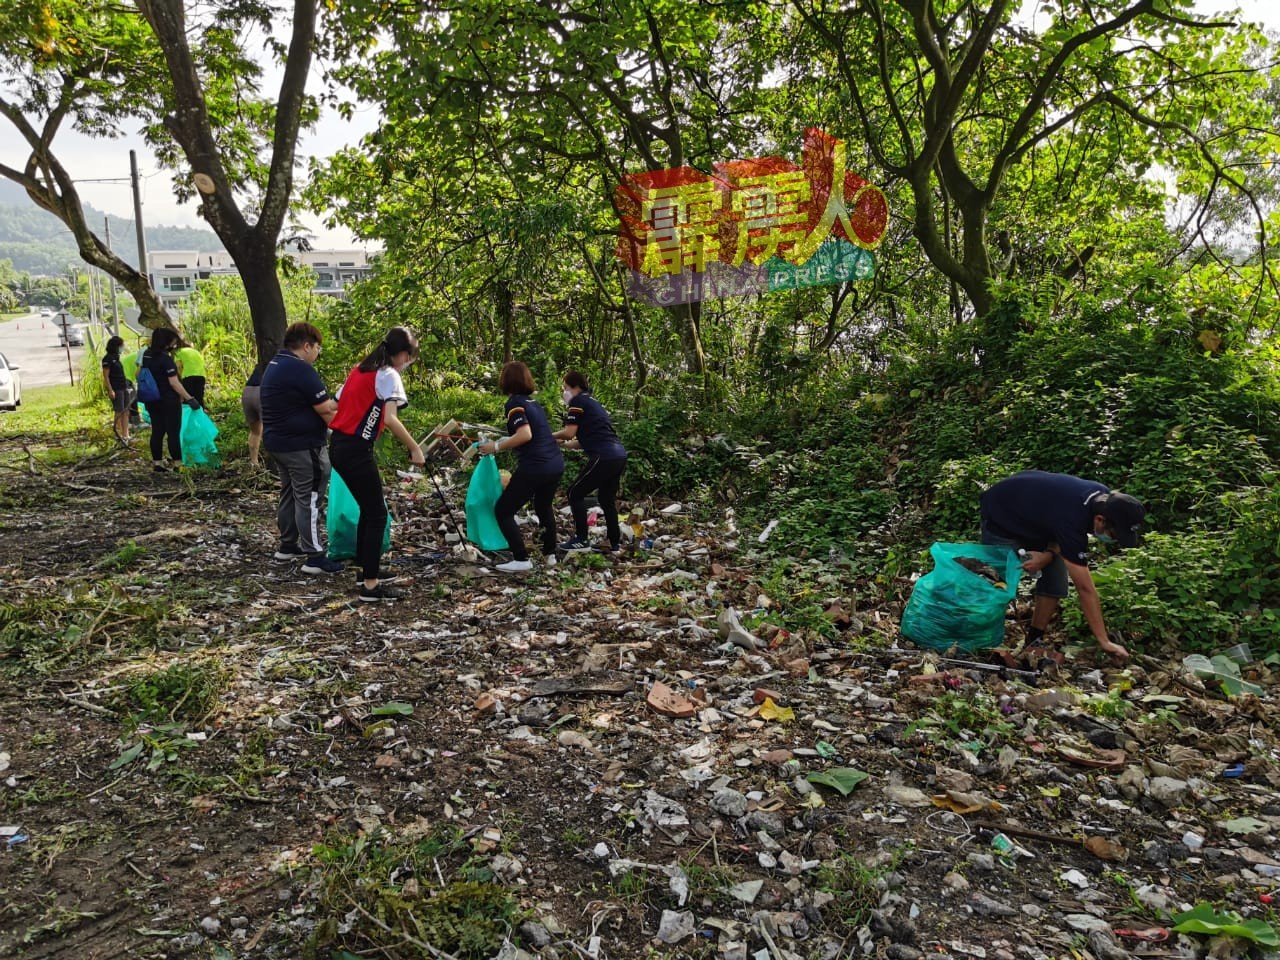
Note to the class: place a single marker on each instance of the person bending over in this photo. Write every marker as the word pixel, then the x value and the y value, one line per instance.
pixel 587 427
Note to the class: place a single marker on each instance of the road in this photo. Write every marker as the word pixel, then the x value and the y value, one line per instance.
pixel 32 343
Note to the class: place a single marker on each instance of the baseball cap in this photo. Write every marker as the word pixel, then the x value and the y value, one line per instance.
pixel 1125 515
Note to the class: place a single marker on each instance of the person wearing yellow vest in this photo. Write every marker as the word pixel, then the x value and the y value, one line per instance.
pixel 190 369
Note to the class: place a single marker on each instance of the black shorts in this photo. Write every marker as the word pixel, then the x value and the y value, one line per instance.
pixel 124 397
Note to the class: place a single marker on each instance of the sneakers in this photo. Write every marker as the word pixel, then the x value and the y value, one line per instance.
pixel 550 559
pixel 577 543
pixel 515 566
pixel 384 576
pixel 319 563
pixel 287 553
pixel 383 591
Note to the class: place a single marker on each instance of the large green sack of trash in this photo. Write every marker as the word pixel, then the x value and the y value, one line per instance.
pixel 482 493
pixel 199 435
pixel 961 602
pixel 341 520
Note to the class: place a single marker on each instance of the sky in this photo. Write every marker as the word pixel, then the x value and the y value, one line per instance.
pixel 93 159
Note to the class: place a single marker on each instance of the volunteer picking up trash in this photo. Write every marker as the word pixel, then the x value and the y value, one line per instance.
pixel 368 402
pixel 1051 515
pixel 587 427
pixel 541 465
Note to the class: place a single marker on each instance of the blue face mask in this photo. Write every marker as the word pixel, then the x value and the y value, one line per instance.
pixel 1105 537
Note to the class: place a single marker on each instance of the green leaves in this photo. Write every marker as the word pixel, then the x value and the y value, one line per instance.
pixel 1203 920
pixel 393 709
pixel 843 779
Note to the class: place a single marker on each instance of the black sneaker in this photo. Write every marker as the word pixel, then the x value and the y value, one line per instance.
pixel 383 591
pixel 384 576
pixel 577 543
pixel 319 563
pixel 288 552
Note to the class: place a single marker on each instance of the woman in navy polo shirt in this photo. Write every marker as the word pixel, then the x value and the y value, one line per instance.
pixel 587 427
pixel 540 466
pixel 165 413
pixel 370 400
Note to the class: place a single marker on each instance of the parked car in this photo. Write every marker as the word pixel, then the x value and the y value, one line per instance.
pixel 10 385
pixel 46 312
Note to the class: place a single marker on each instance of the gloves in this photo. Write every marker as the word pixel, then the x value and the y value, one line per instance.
pixel 192 402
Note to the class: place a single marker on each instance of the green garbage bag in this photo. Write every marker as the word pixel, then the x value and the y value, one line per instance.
pixel 482 493
pixel 341 519
pixel 199 434
pixel 952 606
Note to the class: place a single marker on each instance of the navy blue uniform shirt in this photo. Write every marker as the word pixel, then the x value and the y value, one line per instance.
pixel 1036 509
pixel 541 454
pixel 162 367
pixel 595 429
pixel 290 390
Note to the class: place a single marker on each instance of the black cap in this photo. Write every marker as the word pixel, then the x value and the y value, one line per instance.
pixel 1124 514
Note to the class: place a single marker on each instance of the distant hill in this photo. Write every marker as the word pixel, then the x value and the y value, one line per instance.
pixel 37 242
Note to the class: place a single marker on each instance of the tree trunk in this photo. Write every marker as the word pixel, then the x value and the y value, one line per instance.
pixel 505 306
pixel 265 295
pixel 687 316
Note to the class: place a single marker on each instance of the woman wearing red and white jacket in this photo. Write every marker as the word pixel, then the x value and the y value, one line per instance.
pixel 370 400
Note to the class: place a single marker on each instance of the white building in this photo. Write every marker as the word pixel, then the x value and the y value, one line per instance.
pixel 175 273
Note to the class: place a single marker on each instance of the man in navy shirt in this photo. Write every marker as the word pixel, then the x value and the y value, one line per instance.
pixel 1051 515
pixel 296 410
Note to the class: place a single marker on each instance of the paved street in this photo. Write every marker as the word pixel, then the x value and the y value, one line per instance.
pixel 32 343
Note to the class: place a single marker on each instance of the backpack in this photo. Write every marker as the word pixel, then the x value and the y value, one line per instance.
pixel 148 390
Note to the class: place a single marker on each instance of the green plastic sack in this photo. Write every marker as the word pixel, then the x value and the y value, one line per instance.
pixel 482 493
pixel 952 606
pixel 198 435
pixel 341 519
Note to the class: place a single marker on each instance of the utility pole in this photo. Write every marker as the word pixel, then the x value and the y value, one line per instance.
pixel 115 311
pixel 137 216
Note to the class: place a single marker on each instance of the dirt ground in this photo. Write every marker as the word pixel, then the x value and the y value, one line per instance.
pixel 313 776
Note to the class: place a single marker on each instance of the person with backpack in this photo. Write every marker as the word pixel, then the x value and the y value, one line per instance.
pixel 587 427
pixel 119 390
pixel 163 394
pixel 541 465
pixel 369 402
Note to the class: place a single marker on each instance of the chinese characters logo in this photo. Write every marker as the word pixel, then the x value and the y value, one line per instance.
pixel 751 226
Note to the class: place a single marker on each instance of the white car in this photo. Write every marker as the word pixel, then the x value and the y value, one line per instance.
pixel 46 312
pixel 72 335
pixel 10 385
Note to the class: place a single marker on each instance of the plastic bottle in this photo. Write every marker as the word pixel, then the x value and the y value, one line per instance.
pixel 1024 556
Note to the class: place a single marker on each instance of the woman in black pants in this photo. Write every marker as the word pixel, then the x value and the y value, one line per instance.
pixel 587 427
pixel 540 465
pixel 165 413
pixel 370 400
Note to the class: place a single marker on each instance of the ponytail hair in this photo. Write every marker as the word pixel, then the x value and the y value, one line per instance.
pixel 397 340
pixel 577 381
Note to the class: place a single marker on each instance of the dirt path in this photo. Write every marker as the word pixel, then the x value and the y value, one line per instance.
pixel 310 775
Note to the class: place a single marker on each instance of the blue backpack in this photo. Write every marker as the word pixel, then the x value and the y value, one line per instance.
pixel 148 390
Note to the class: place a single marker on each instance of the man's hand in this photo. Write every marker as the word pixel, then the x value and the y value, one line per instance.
pixel 1110 646
pixel 1037 560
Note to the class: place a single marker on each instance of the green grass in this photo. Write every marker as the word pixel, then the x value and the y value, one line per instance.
pixel 56 411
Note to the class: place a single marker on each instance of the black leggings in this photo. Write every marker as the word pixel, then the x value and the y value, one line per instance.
pixel 352 458
pixel 523 487
pixel 604 476
pixel 166 421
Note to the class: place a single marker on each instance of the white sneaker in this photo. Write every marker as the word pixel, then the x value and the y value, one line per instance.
pixel 515 566
pixel 550 559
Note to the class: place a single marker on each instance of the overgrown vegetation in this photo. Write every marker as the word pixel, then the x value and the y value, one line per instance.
pixel 378 892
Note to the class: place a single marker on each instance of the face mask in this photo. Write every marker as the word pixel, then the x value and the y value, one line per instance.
pixel 566 395
pixel 1105 537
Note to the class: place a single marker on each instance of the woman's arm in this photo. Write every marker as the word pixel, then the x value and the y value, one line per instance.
pixel 106 380
pixel 567 432
pixel 517 439
pixel 391 415
pixel 179 389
